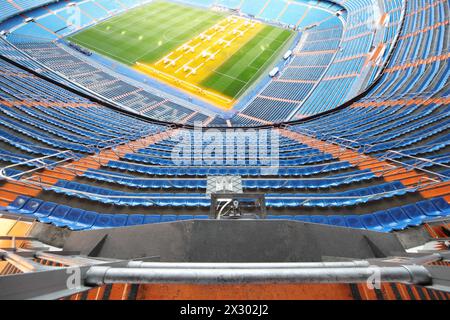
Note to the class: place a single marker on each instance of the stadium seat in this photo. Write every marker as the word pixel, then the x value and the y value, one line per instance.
pixel 30 206
pixel 401 217
pixel 185 217
pixel 86 221
pixel 135 219
pixel 45 210
pixel 57 214
pixel 153 218
pixel 388 221
pixel 354 222
pixel 17 204
pixel 302 218
pixel 428 208
pixel 319 219
pixel 414 212
pixel 442 205
pixel 71 217
pixel 119 220
pixel 337 221
pixel 103 221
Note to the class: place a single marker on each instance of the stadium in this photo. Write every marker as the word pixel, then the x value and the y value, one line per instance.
pixel 224 150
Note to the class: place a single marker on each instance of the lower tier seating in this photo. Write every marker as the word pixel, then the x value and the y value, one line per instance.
pixel 398 218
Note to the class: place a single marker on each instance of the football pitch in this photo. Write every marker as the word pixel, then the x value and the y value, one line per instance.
pixel 209 54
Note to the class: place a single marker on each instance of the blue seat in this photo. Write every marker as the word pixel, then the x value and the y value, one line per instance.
pixel 155 184
pixel 400 216
pixel 354 222
pixel 182 217
pixel 71 217
pixel 414 212
pixel 45 209
pixel 168 218
pixel 387 221
pixel 250 184
pixel 58 213
pixel 152 218
pixel 17 204
pixel 30 206
pixel 441 205
pixel 86 221
pixel 135 219
pixel 279 217
pixel 337 221
pixel 119 220
pixel 243 171
pixel 302 218
pixel 428 208
pixel 201 217
pixel 319 219
pixel 371 223
pixel 103 221
pixel 178 202
pixel 205 203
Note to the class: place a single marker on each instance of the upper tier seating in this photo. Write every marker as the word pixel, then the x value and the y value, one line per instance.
pixel 342 48
pixel 12 7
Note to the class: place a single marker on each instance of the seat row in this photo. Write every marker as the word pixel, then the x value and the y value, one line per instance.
pixel 393 219
pixel 281 200
pixel 223 171
pixel 136 182
pixel 398 218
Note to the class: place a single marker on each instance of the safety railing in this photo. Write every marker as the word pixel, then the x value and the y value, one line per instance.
pixel 65 159
pixel 341 145
pixel 152 199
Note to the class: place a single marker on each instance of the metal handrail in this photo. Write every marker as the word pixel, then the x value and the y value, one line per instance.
pixel 337 141
pixel 377 173
pixel 415 274
pixel 111 144
pixel 45 186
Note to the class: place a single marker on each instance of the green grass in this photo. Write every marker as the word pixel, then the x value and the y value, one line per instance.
pixel 149 32
pixel 245 66
pixel 146 33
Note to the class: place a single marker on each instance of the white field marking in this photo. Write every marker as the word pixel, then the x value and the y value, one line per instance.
pixel 273 52
pixel 213 55
pixel 188 84
pixel 204 36
pixel 182 31
pixel 167 56
pixel 228 76
pixel 228 43
pixel 126 26
pixel 106 53
pixel 168 10
pixel 194 70
pixel 114 30
pixel 170 62
pixel 137 31
pixel 259 69
pixel 189 48
pixel 173 21
pixel 270 38
pixel 205 53
pixel 250 66
pixel 185 65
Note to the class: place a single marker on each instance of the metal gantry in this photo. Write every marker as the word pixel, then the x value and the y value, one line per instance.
pixel 72 273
